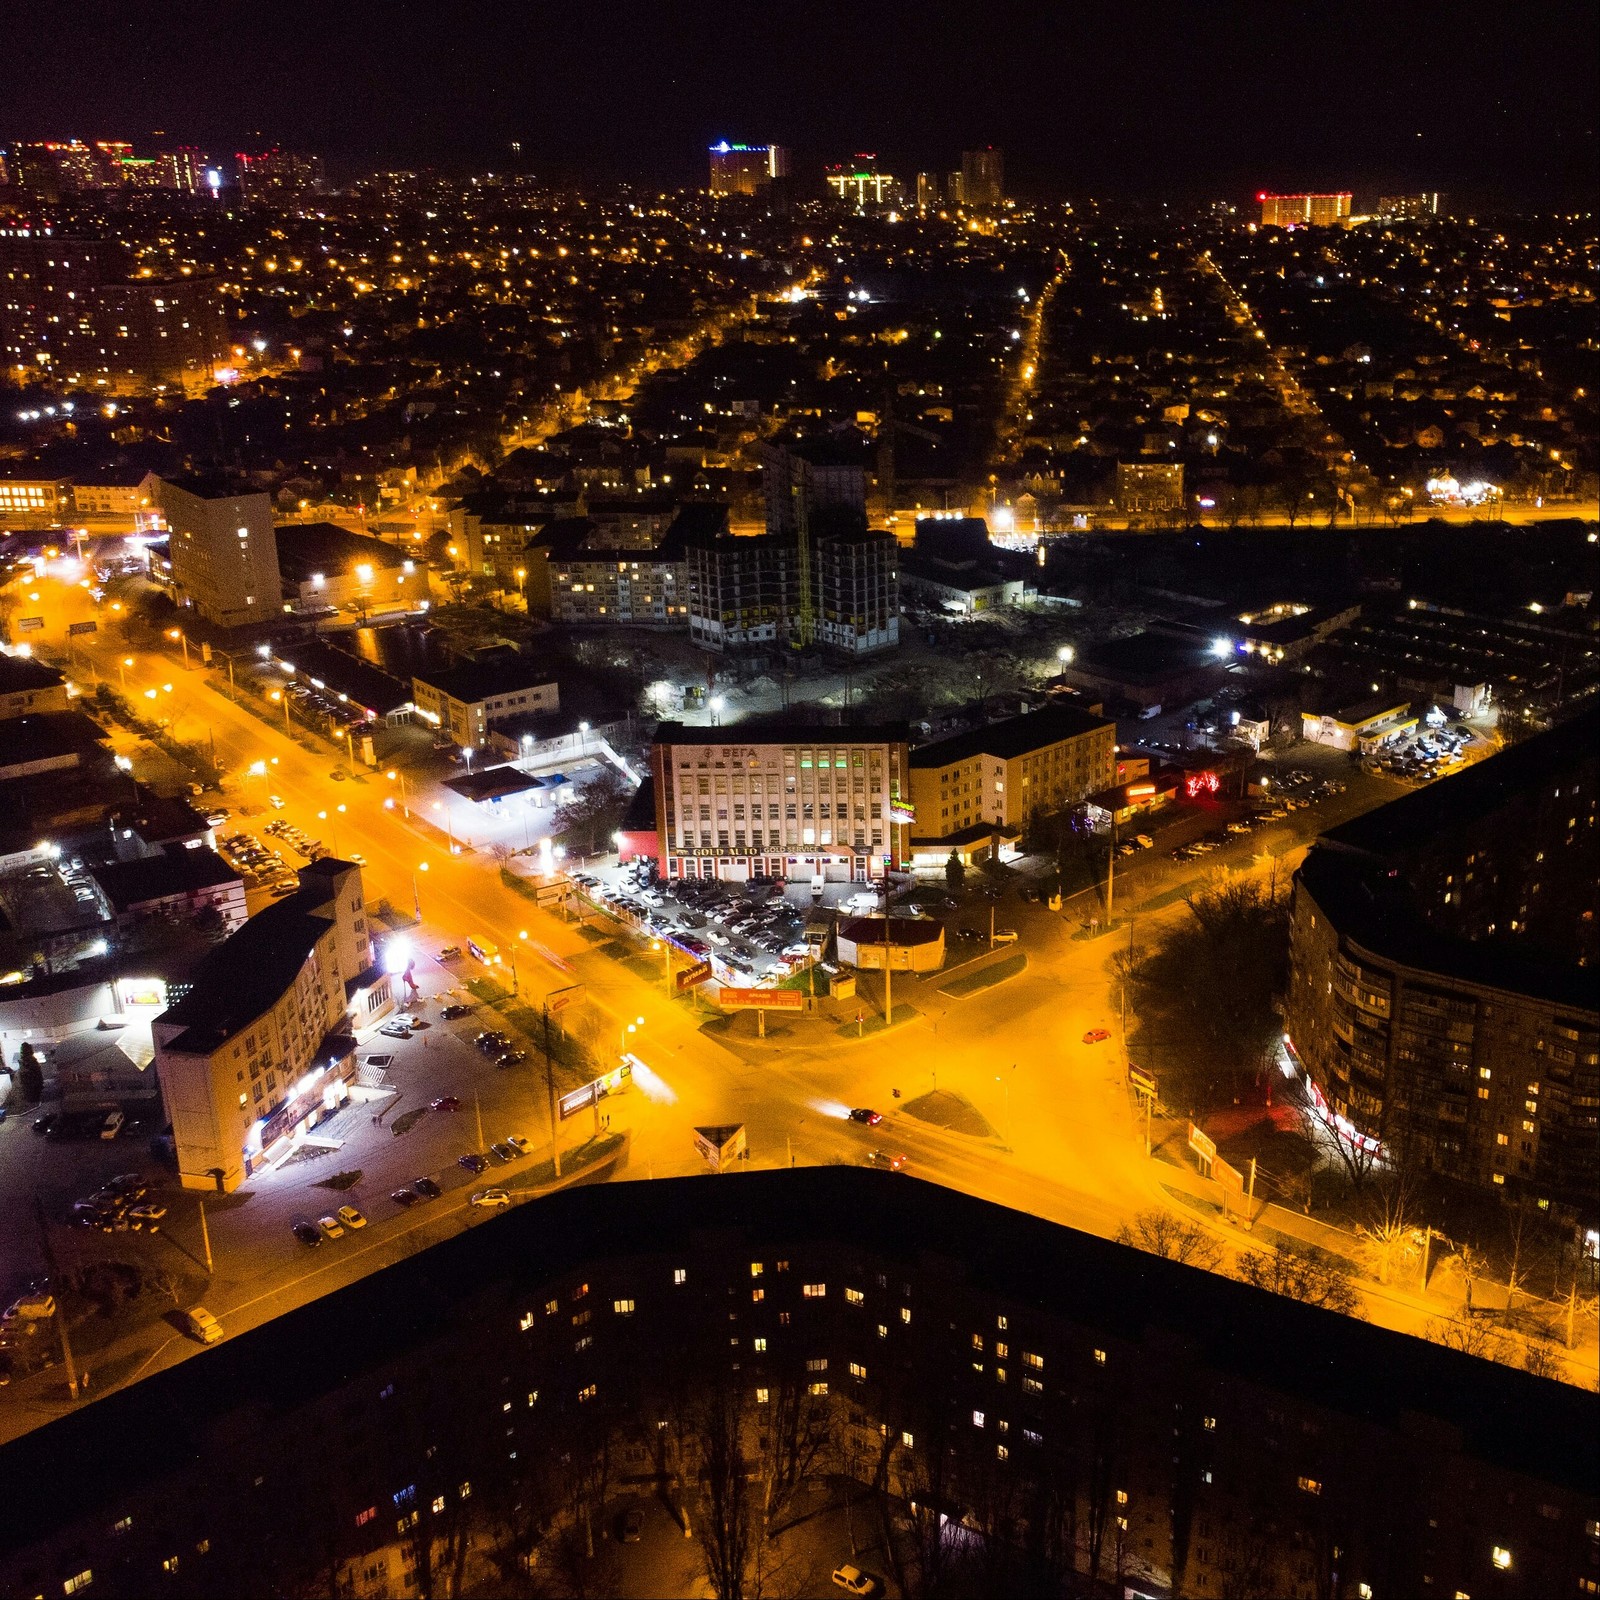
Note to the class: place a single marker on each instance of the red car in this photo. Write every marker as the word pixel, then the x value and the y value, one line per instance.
pixel 870 1118
pixel 1096 1036
pixel 447 1102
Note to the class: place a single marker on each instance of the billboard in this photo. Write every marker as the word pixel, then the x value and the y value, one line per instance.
pixel 732 999
pixel 688 977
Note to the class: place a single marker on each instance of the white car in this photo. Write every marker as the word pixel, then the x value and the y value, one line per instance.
pixel 491 1198
pixel 854 1581
pixel 331 1226
pixel 517 1142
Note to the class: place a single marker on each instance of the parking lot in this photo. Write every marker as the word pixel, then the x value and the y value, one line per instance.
pixel 751 932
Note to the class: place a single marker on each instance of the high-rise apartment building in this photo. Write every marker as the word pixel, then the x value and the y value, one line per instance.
pixel 279 176
pixel 48 286
pixel 791 801
pixel 1441 995
pixel 155 333
pixel 183 169
pixel 746 168
pixel 800 480
pixel 929 191
pixel 223 549
pixel 1409 207
pixel 1304 210
pixel 983 179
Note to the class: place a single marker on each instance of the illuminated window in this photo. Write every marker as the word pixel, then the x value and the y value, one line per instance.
pixel 1031 1385
pixel 364 1517
pixel 817 1364
pixel 907 1440
pixel 679 1275
pixel 122 1525
pixel 79 1580
pixel 817 1388
pixel 438 1504
pixel 170 1564
pixel 977 1341
pixel 588 1392
pixel 854 1297
pixel 1502 1557
pixel 526 1321
pixel 858 1372
pixel 623 1308
pixel 1099 1357
pixel 1309 1485
pixel 758 1295
pixel 905 1314
pixel 814 1291
pixel 1029 1359
pixel 760 1344
pixel 756 1269
pixel 1122 1497
pixel 761 1396
pixel 1001 1452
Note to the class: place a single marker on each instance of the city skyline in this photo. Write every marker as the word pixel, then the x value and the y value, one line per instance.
pixel 637 102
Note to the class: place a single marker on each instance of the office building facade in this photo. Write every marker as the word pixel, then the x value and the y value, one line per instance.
pixel 223 550
pixel 787 801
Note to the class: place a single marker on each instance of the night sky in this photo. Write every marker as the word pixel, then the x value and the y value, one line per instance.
pixel 1494 103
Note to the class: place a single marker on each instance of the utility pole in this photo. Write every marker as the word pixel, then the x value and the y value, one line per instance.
pixel 888 982
pixel 477 1106
pixel 1111 868
pixel 205 1235
pixel 550 1090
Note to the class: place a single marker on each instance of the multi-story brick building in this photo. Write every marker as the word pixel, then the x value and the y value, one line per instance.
pixel 262 1046
pixel 791 801
pixel 972 788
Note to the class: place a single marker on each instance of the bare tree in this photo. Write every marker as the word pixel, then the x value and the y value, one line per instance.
pixel 1470 1338
pixel 1389 1230
pixel 1309 1275
pixel 1539 1357
pixel 1173 1238
pixel 727 1524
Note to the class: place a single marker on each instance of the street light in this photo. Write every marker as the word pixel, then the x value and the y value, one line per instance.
pixel 122 671
pixel 583 738
pixel 1065 655
pixel 278 694
pixel 183 639
pixel 405 800
pixel 717 703
pixel 466 755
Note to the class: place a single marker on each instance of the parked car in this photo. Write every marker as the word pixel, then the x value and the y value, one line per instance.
pixel 446 1102
pixel 455 1009
pixel 351 1218
pixel 854 1581
pixel 306 1233
pixel 518 1143
pixel 1005 935
pixel 1096 1036
pixel 200 1324
pixel 403 1197
pixel 331 1226
pixel 491 1198
pixel 427 1188
pixel 472 1161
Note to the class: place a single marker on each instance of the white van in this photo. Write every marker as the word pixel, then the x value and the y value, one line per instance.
pixel 112 1126
pixel 200 1324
